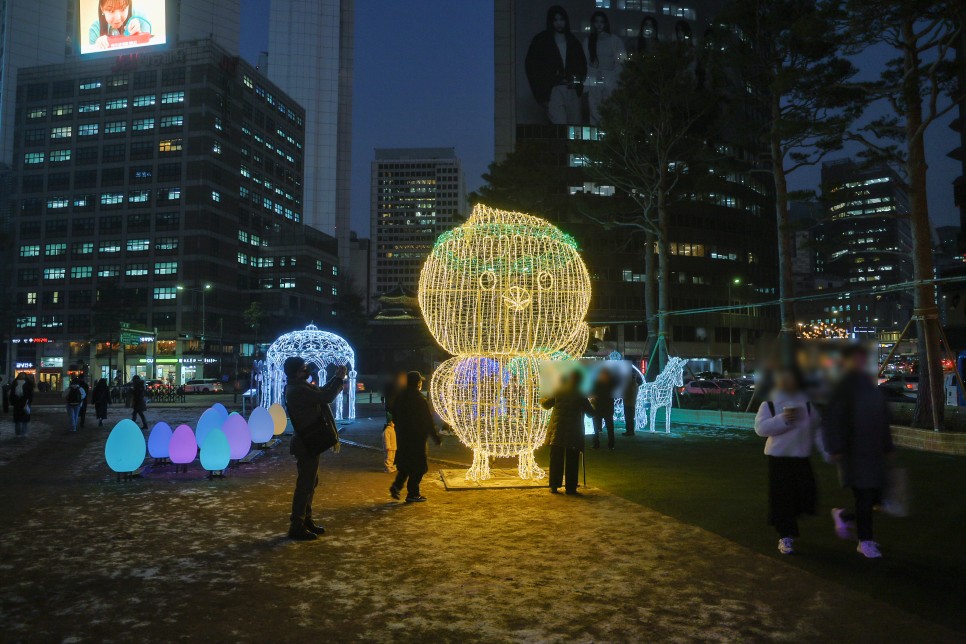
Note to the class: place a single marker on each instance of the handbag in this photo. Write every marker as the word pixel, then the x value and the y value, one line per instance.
pixel 320 437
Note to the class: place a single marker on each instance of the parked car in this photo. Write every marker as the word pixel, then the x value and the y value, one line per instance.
pixel 709 375
pixel 703 388
pixel 903 383
pixel 203 386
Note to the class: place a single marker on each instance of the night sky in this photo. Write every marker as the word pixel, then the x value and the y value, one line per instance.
pixel 424 78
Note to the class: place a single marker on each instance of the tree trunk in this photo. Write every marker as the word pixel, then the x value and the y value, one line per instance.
pixel 650 304
pixel 785 238
pixel 663 278
pixel 929 403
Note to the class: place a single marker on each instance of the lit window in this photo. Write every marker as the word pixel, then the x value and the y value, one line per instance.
pixel 59 156
pixel 166 243
pixel 170 145
pixel 110 270
pixel 140 125
pixel 56 203
pixel 139 196
pixel 169 98
pixel 112 198
pixel 55 273
pixel 138 245
pixel 33 158
pixel 286 282
pixel 172 121
pixel 32 297
pixel 89 84
pixel 166 268
pixel 30 251
pixel 88 129
pixel 110 247
pixel 174 194
pixel 36 113
pixel 63 132
pixel 62 110
pixel 216 147
pixel 53 250
pixel 136 270
pixel 116 104
pixel 83 248
pixel 81 272
pixel 115 127
pixel 145 101
pixel 165 293
pixel 215 195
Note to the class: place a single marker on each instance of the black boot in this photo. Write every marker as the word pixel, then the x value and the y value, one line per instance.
pixel 314 529
pixel 301 533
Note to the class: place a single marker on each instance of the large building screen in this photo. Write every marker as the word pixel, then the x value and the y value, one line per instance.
pixel 109 25
pixel 569 53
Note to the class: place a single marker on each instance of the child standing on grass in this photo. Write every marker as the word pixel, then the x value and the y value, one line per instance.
pixel 389 446
pixel 790 422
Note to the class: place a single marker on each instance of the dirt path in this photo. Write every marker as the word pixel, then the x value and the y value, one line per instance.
pixel 178 557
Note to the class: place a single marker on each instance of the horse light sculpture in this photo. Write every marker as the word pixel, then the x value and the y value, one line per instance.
pixel 502 292
pixel 660 393
pixel 317 348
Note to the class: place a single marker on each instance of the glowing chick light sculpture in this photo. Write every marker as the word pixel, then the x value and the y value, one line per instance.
pixel 502 292
pixel 318 348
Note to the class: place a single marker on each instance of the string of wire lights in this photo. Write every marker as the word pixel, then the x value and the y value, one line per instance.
pixel 502 292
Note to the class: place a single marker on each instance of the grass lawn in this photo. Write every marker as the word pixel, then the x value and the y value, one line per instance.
pixel 716 478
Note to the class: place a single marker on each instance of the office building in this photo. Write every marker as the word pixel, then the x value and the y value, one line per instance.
pixel 359 267
pixel 715 261
pixel 310 58
pixel 866 242
pixel 164 194
pixel 417 194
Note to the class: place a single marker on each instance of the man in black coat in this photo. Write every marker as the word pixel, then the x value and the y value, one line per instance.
pixel 556 68
pixel 308 409
pixel 857 437
pixel 565 432
pixel 602 397
pixel 414 424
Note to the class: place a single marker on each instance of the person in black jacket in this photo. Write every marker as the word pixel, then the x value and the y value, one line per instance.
pixel 414 424
pixel 565 433
pixel 21 397
pixel 602 397
pixel 556 68
pixel 308 409
pixel 138 401
pixel 858 438
pixel 82 413
pixel 101 397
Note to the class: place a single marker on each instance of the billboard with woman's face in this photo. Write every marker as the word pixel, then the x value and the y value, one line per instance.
pixel 570 53
pixel 109 25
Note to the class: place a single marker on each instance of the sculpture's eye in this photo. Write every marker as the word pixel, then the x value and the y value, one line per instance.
pixel 545 280
pixel 488 281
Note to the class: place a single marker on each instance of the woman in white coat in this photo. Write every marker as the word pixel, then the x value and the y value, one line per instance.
pixel 791 423
pixel 605 55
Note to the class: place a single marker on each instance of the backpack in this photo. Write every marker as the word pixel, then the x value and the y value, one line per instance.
pixel 74 396
pixel 808 408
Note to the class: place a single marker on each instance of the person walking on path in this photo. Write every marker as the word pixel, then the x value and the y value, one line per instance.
pixel 5 388
pixel 139 403
pixel 413 420
pixel 82 414
pixel 858 439
pixel 602 397
pixel 790 422
pixel 21 398
pixel 315 431
pixel 565 431
pixel 389 446
pixel 102 398
pixel 631 389
pixel 74 395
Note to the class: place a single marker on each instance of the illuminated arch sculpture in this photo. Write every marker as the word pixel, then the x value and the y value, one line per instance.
pixel 318 348
pixel 502 292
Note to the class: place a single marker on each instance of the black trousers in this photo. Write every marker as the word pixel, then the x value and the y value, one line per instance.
pixel 607 421
pixel 564 461
pixel 134 417
pixel 82 414
pixel 305 484
pixel 410 479
pixel 865 500
pixel 791 493
pixel 630 418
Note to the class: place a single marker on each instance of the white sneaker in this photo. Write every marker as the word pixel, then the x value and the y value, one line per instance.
pixel 843 529
pixel 869 550
pixel 785 546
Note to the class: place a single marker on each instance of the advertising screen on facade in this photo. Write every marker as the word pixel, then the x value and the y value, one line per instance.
pixel 569 54
pixel 109 25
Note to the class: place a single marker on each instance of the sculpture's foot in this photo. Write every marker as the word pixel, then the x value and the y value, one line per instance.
pixel 528 468
pixel 480 470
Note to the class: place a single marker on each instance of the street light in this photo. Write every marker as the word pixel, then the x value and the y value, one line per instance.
pixel 731 320
pixel 203 290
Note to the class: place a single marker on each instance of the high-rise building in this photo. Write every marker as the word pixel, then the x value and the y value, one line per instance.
pixel 164 194
pixel 716 261
pixel 417 194
pixel 310 57
pixel 865 241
